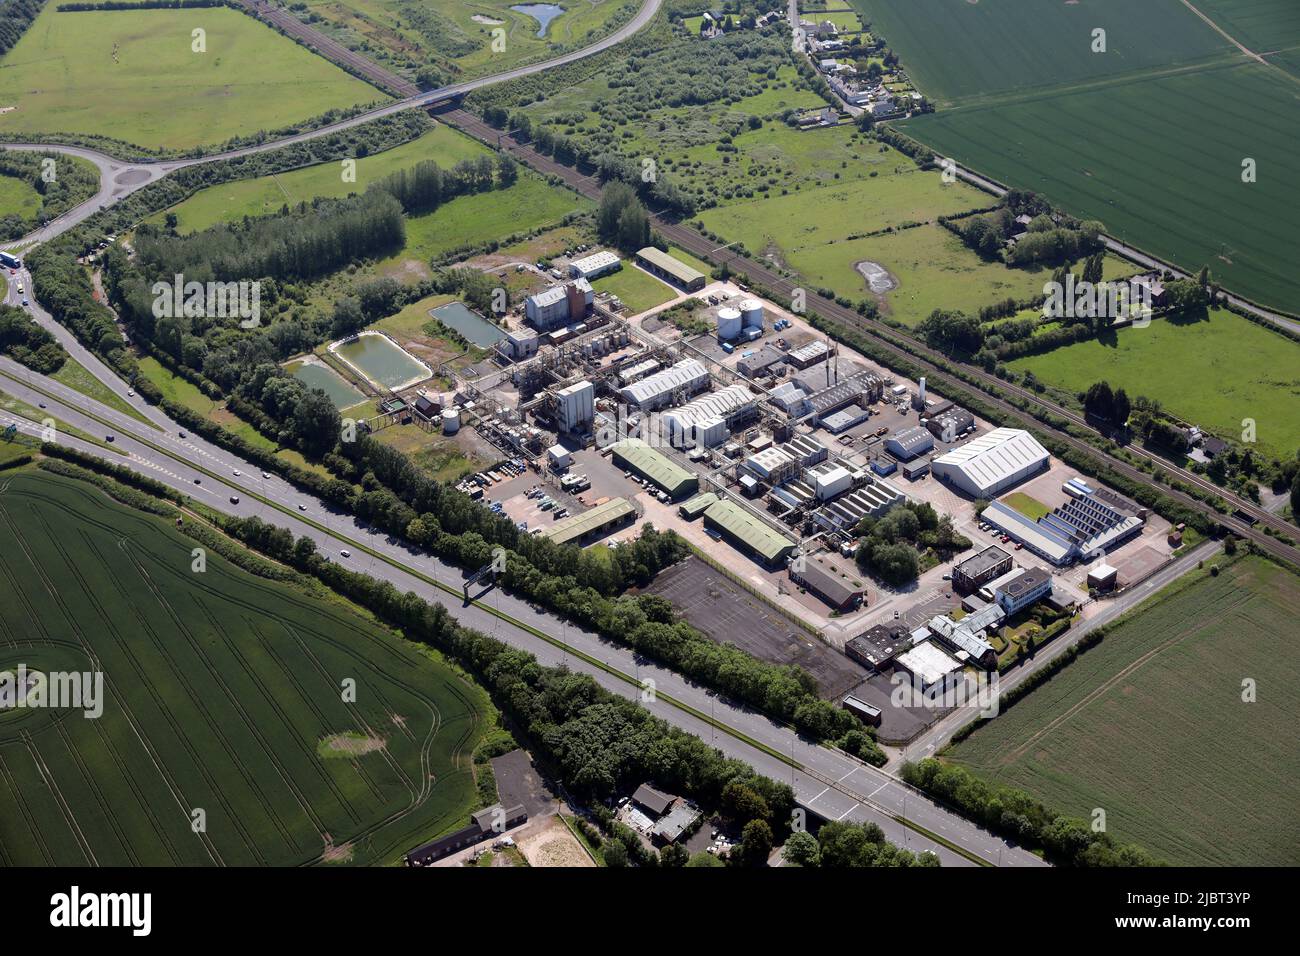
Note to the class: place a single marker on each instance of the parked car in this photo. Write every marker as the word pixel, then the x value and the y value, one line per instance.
pixel 346 553
pixel 234 499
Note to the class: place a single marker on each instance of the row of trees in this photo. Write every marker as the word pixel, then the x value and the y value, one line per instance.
pixel 306 241
pixel 600 744
pixel 1110 405
pixel 73 182
pixel 15 17
pixel 1015 814
pixel 26 342
pixel 425 186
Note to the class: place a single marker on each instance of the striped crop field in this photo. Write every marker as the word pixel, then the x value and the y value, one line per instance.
pixel 225 738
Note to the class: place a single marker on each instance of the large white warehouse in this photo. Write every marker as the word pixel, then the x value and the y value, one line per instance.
pixel 655 391
pixel 989 465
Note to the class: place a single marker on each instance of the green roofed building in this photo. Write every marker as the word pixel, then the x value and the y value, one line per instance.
pixel 747 533
pixel 593 523
pixel 690 510
pixel 670 269
pixel 644 461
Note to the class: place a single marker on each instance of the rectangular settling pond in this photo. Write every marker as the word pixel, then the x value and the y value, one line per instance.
pixel 335 387
pixel 473 327
pixel 382 361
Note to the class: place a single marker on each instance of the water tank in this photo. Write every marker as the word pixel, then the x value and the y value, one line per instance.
pixel 751 311
pixel 451 421
pixel 729 323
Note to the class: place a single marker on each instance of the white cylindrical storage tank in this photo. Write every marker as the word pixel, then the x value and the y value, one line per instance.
pixel 729 323
pixel 451 421
pixel 920 391
pixel 751 311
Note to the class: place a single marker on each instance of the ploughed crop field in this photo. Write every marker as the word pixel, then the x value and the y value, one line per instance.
pixel 1255 371
pixel 1151 725
pixel 1126 136
pixel 133 75
pixel 223 704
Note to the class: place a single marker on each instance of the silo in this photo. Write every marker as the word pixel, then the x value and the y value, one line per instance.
pixel 729 323
pixel 451 421
pixel 751 311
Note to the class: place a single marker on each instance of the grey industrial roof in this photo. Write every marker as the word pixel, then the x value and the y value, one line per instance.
pixel 990 557
pixel 989 459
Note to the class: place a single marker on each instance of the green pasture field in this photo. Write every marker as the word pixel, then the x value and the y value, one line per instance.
pixel 934 271
pixel 18 197
pixel 531 203
pixel 221 691
pixel 1147 169
pixel 1214 372
pixel 845 21
pixel 1151 727
pixel 959 52
pixel 814 218
pixel 264 195
pixel 131 75
pixel 638 290
pixel 404 33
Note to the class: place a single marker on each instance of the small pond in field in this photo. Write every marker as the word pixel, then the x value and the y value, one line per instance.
pixel 543 13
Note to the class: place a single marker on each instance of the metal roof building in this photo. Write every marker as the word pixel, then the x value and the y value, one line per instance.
pixel 747 533
pixel 594 265
pixel 654 391
pixel 992 463
pixel 692 509
pixel 674 270
pixel 679 424
pixel 593 523
pixel 636 455
pixel 909 442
